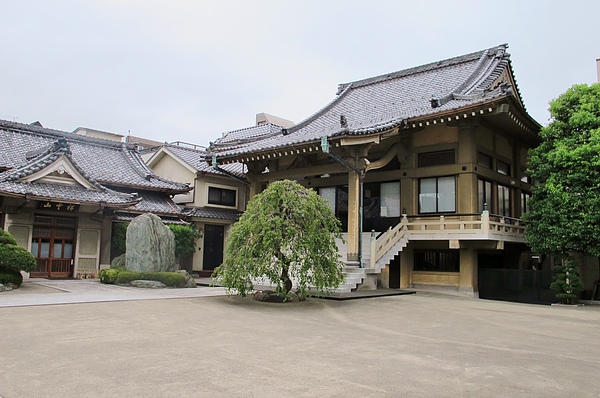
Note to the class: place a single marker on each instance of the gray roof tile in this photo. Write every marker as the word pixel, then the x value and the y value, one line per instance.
pixel 206 212
pixel 383 102
pixel 107 162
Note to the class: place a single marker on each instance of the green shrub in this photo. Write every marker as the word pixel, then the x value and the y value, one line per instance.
pixel 11 276
pixel 171 279
pixel 108 276
pixel 16 258
pixel 117 241
pixel 6 238
pixel 185 239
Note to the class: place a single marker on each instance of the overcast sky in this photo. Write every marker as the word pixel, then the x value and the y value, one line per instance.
pixel 191 70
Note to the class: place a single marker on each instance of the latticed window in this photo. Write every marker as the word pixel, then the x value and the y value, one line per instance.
pixel 437 260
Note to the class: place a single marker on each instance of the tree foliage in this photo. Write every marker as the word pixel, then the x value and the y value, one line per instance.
pixel 185 239
pixel 564 210
pixel 288 233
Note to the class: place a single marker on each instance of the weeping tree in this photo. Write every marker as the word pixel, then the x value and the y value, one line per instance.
pixel 564 211
pixel 288 233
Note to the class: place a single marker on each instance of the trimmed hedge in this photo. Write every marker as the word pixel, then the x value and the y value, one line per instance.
pixel 16 258
pixel 123 277
pixel 11 276
pixel 6 238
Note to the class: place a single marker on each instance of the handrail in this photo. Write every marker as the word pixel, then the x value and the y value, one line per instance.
pixel 406 228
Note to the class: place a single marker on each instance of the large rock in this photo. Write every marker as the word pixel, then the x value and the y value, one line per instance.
pixel 150 245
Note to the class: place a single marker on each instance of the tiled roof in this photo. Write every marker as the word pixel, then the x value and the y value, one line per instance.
pixel 128 217
pixel 157 203
pixel 196 159
pixel 11 183
pixel 107 162
pixel 236 138
pixel 205 212
pixel 66 193
pixel 384 102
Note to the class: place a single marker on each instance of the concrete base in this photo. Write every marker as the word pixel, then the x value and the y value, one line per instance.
pixel 469 291
pixel 369 282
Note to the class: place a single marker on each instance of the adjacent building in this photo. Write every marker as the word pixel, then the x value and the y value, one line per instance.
pixel 61 192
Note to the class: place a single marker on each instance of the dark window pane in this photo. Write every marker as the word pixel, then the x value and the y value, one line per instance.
pixel 436 158
pixel 484 160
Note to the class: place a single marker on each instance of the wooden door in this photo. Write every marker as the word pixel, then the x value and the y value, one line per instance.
pixel 53 245
pixel 213 246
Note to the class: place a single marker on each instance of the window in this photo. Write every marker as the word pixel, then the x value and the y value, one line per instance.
pixel 390 199
pixel 503 167
pixel 436 158
pixel 328 193
pixel 485 195
pixel 221 196
pixel 484 160
pixel 525 202
pixel 437 195
pixel 437 260
pixel 503 201
pixel 525 178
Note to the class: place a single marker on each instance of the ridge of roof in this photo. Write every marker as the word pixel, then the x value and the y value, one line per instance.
pixel 39 160
pixel 39 130
pixel 423 68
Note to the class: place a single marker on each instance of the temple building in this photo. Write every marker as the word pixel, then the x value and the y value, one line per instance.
pixel 425 167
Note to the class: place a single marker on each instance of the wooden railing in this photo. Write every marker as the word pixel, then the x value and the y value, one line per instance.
pixel 452 227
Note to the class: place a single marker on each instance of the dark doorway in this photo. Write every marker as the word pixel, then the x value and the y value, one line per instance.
pixel 213 246
pixel 394 281
pixel 506 276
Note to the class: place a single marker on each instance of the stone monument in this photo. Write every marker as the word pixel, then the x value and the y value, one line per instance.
pixel 150 245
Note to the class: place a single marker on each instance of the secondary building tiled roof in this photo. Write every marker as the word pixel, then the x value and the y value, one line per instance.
pixel 384 102
pixel 107 162
pixel 11 180
pixel 67 193
pixel 206 212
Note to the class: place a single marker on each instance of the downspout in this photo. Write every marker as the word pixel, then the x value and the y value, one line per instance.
pixel 361 176
pixel 215 166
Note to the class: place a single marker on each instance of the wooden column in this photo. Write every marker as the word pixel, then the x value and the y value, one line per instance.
pixel 353 216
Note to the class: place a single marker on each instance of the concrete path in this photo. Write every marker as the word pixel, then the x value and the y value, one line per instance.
pixel 48 292
pixel 421 345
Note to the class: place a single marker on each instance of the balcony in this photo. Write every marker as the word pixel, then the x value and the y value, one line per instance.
pixel 456 227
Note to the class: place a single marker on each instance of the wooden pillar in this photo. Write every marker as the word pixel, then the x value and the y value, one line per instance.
pixel 353 216
pixel 406 267
pixel 468 272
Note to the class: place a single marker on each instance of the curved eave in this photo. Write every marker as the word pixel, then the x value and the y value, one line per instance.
pixel 30 196
pixel 511 115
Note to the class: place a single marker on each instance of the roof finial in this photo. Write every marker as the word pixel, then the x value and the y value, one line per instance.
pixel 343 121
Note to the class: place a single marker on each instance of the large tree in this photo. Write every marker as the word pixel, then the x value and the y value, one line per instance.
pixel 288 233
pixel 564 211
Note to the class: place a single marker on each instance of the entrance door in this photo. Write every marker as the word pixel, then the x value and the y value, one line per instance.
pixel 52 245
pixel 213 246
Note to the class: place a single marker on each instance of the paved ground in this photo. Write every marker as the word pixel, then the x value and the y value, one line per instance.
pixel 420 345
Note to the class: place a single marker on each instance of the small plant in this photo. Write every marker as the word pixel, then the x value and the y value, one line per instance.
pixel 109 276
pixel 566 280
pixel 10 276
